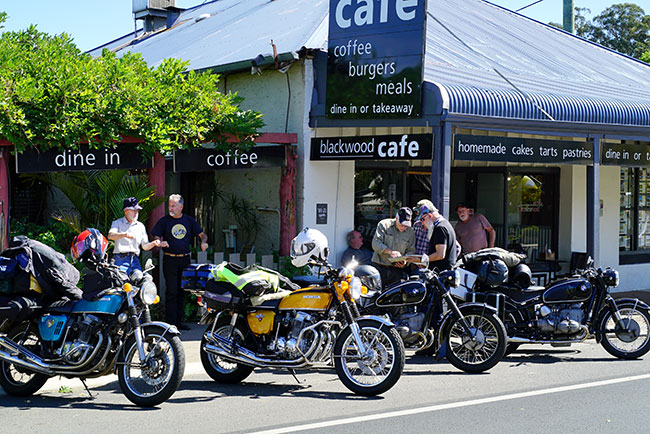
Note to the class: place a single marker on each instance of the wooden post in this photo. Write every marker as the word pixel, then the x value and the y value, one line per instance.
pixel 288 201
pixel 157 180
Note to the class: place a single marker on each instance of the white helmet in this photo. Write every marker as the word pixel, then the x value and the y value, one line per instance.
pixel 307 244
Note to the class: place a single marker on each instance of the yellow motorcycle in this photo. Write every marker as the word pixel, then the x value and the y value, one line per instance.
pixel 301 329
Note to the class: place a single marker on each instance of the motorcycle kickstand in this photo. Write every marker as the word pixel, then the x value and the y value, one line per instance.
pixel 83 381
pixel 293 372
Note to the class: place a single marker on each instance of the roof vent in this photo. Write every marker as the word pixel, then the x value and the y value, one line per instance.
pixel 154 13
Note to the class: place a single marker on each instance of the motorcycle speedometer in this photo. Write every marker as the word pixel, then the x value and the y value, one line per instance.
pixel 149 292
pixel 355 288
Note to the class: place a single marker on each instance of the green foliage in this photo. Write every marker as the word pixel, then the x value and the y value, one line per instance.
pixel 289 270
pixel 97 197
pixel 54 96
pixel 57 235
pixel 622 27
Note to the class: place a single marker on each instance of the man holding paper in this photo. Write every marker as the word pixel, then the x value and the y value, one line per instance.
pixel 393 238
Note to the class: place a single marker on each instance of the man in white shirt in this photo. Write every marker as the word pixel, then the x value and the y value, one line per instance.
pixel 129 235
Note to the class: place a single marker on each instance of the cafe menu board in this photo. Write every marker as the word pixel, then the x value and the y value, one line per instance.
pixel 627 212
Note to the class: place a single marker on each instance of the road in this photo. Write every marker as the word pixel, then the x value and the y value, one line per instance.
pixel 539 389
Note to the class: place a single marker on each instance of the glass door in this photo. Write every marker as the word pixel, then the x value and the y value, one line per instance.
pixel 531 212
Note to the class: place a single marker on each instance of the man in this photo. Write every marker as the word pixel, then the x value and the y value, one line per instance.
pixel 129 235
pixel 356 250
pixel 176 232
pixel 393 238
pixel 471 230
pixel 422 234
pixel 442 246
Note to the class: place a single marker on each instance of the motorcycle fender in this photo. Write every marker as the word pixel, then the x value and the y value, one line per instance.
pixel 447 319
pixel 167 328
pixel 620 302
pixel 381 319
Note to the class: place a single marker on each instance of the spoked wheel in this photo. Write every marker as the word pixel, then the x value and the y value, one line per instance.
pixel 376 370
pixel 152 381
pixel 631 338
pixel 14 379
pixel 219 369
pixel 480 349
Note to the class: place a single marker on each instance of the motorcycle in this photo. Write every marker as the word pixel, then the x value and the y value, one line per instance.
pixel 308 327
pixel 108 330
pixel 470 335
pixel 571 310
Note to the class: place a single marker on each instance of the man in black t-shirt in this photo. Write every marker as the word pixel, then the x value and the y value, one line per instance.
pixel 442 245
pixel 176 232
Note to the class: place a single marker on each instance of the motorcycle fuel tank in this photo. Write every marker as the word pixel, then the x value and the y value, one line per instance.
pixel 570 290
pixel 313 298
pixel 409 292
pixel 106 304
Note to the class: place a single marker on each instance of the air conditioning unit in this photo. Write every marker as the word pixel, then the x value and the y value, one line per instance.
pixel 145 5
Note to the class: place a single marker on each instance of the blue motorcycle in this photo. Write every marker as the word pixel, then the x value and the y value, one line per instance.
pixel 109 330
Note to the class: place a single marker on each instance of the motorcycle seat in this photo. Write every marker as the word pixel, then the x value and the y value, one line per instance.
pixel 60 306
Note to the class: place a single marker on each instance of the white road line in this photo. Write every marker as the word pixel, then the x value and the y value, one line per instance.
pixel 451 405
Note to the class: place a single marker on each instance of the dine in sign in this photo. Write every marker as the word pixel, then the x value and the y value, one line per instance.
pixel 374 66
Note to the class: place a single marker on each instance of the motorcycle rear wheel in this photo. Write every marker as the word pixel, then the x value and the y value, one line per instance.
pixel 630 342
pixel 382 367
pixel 154 383
pixel 218 368
pixel 482 353
pixel 16 380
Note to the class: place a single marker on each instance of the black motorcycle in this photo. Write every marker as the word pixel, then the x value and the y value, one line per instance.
pixel 470 335
pixel 571 310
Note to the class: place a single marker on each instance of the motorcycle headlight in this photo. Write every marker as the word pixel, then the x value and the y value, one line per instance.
pixel 149 293
pixel 450 279
pixel 610 277
pixel 355 288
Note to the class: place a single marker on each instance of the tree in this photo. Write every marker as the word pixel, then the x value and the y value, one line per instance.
pixel 622 27
pixel 54 96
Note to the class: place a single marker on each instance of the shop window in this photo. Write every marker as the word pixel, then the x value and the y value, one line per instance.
pixel 634 222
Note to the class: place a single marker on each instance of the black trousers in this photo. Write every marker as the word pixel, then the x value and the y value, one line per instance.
pixel 175 296
pixel 390 275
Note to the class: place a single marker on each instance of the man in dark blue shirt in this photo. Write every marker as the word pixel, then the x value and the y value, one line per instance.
pixel 176 232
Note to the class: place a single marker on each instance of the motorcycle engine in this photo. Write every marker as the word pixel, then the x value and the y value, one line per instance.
pixel 77 346
pixel 564 319
pixel 289 346
pixel 409 325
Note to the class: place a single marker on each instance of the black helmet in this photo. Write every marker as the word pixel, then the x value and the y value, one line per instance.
pixel 369 277
pixel 493 272
pixel 521 276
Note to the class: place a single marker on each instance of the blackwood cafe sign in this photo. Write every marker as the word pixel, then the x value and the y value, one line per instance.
pixel 84 158
pixel 374 66
pixel 522 150
pixel 393 147
pixel 208 160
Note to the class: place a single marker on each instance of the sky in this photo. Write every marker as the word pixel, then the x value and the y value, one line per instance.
pixel 92 23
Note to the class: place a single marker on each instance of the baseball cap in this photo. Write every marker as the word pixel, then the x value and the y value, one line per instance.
pixel 404 216
pixel 131 203
pixel 423 210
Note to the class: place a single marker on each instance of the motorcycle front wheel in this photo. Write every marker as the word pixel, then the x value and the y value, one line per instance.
pixel 379 368
pixel 14 379
pixel 479 350
pixel 218 368
pixel 629 340
pixel 153 381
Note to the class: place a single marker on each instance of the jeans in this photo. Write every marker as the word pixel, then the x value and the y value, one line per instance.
pixel 127 262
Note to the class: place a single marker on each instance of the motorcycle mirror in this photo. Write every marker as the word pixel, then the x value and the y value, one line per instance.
pixel 590 262
pixel 148 265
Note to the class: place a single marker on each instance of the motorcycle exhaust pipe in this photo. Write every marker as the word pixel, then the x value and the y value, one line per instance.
pixel 32 366
pixel 219 346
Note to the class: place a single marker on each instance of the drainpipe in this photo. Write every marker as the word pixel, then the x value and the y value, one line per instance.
pixel 568 23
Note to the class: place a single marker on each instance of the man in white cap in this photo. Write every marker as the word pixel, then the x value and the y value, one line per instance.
pixel 393 238
pixel 129 235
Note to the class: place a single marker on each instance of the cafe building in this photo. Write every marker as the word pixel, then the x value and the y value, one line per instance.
pixel 544 133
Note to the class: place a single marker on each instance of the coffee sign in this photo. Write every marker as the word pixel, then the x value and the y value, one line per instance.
pixel 374 66
pixel 393 147
pixel 208 160
pixel 85 158
pixel 522 150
